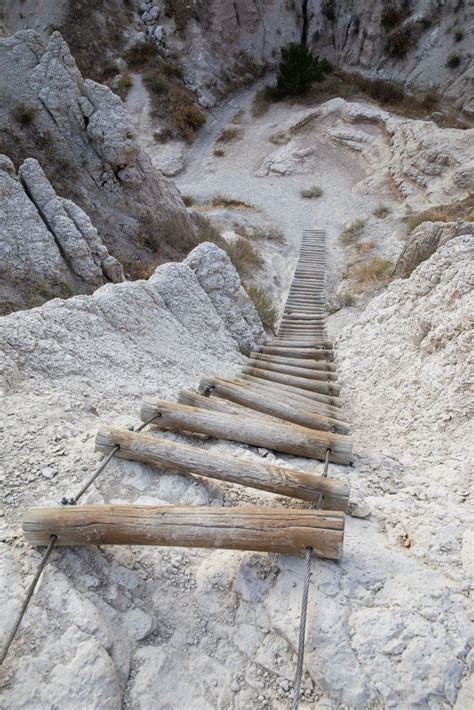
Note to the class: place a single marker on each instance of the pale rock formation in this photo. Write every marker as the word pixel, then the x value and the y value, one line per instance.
pixel 48 245
pixel 426 164
pixel 219 279
pixel 425 240
pixel 86 144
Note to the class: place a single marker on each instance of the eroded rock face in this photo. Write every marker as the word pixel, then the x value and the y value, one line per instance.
pixel 425 240
pixel 219 279
pixel 85 142
pixel 426 164
pixel 48 245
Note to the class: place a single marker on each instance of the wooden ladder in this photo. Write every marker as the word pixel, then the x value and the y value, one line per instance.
pixel 285 398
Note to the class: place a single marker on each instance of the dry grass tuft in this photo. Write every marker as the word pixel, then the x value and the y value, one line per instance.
pixel 373 271
pixel 381 211
pixel 271 233
pixel 342 300
pixel 244 256
pixel 230 134
pixel 218 152
pixel 352 232
pixel 437 214
pixel 265 308
pixel 364 247
pixel 262 101
pixel 219 201
pixel 311 193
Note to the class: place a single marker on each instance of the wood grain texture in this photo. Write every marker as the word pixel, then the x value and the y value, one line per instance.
pixel 308 373
pixel 327 390
pixel 182 458
pixel 290 439
pixel 260 529
pixel 312 353
pixel 321 366
pixel 278 408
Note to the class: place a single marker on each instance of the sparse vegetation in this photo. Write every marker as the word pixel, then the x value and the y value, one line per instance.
pixel 271 233
pixel 375 270
pixel 430 99
pixel 188 200
pixel 218 152
pixel 454 60
pixel 229 134
pixel 219 200
pixel 381 211
pixel 399 42
pixel 244 256
pixel 140 55
pixel 458 35
pixel 345 299
pixel 262 100
pixel 391 16
pixel 469 217
pixel 123 85
pixel 364 247
pixel 352 232
pixel 264 306
pixel 24 115
pixel 437 214
pixel 311 193
pixel 297 70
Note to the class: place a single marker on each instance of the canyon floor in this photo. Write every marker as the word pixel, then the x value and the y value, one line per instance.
pixel 142 628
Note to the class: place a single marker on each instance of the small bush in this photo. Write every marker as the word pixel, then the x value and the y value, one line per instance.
pixel 229 134
pixel 430 99
pixel 140 55
pixel 218 152
pixel 328 10
pixel 262 100
pixel 311 193
pixel 271 233
pixel 25 115
pixel 297 70
pixel 352 232
pixel 458 35
pixel 399 42
pixel 188 200
pixel 469 217
pixel 264 306
pixel 391 16
pixel 155 81
pixel 238 117
pixel 374 270
pixel 124 85
pixel 244 256
pixel 381 211
pixel 219 200
pixel 385 91
pixel 364 247
pixel 341 300
pixel 454 60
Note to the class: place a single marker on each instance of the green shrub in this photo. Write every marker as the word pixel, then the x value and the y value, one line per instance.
pixel 24 115
pixel 264 306
pixel 311 193
pixel 454 60
pixel 385 91
pixel 352 232
pixel 399 42
pixel 297 70
pixel 155 81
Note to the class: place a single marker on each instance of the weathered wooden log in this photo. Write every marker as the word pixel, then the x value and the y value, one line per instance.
pixel 290 438
pixel 279 409
pixel 318 373
pixel 184 459
pixel 247 528
pixel 195 399
pixel 302 317
pixel 281 390
pixel 324 388
pixel 311 353
pixel 319 365
pixel 308 373
pixel 297 398
pixel 296 344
